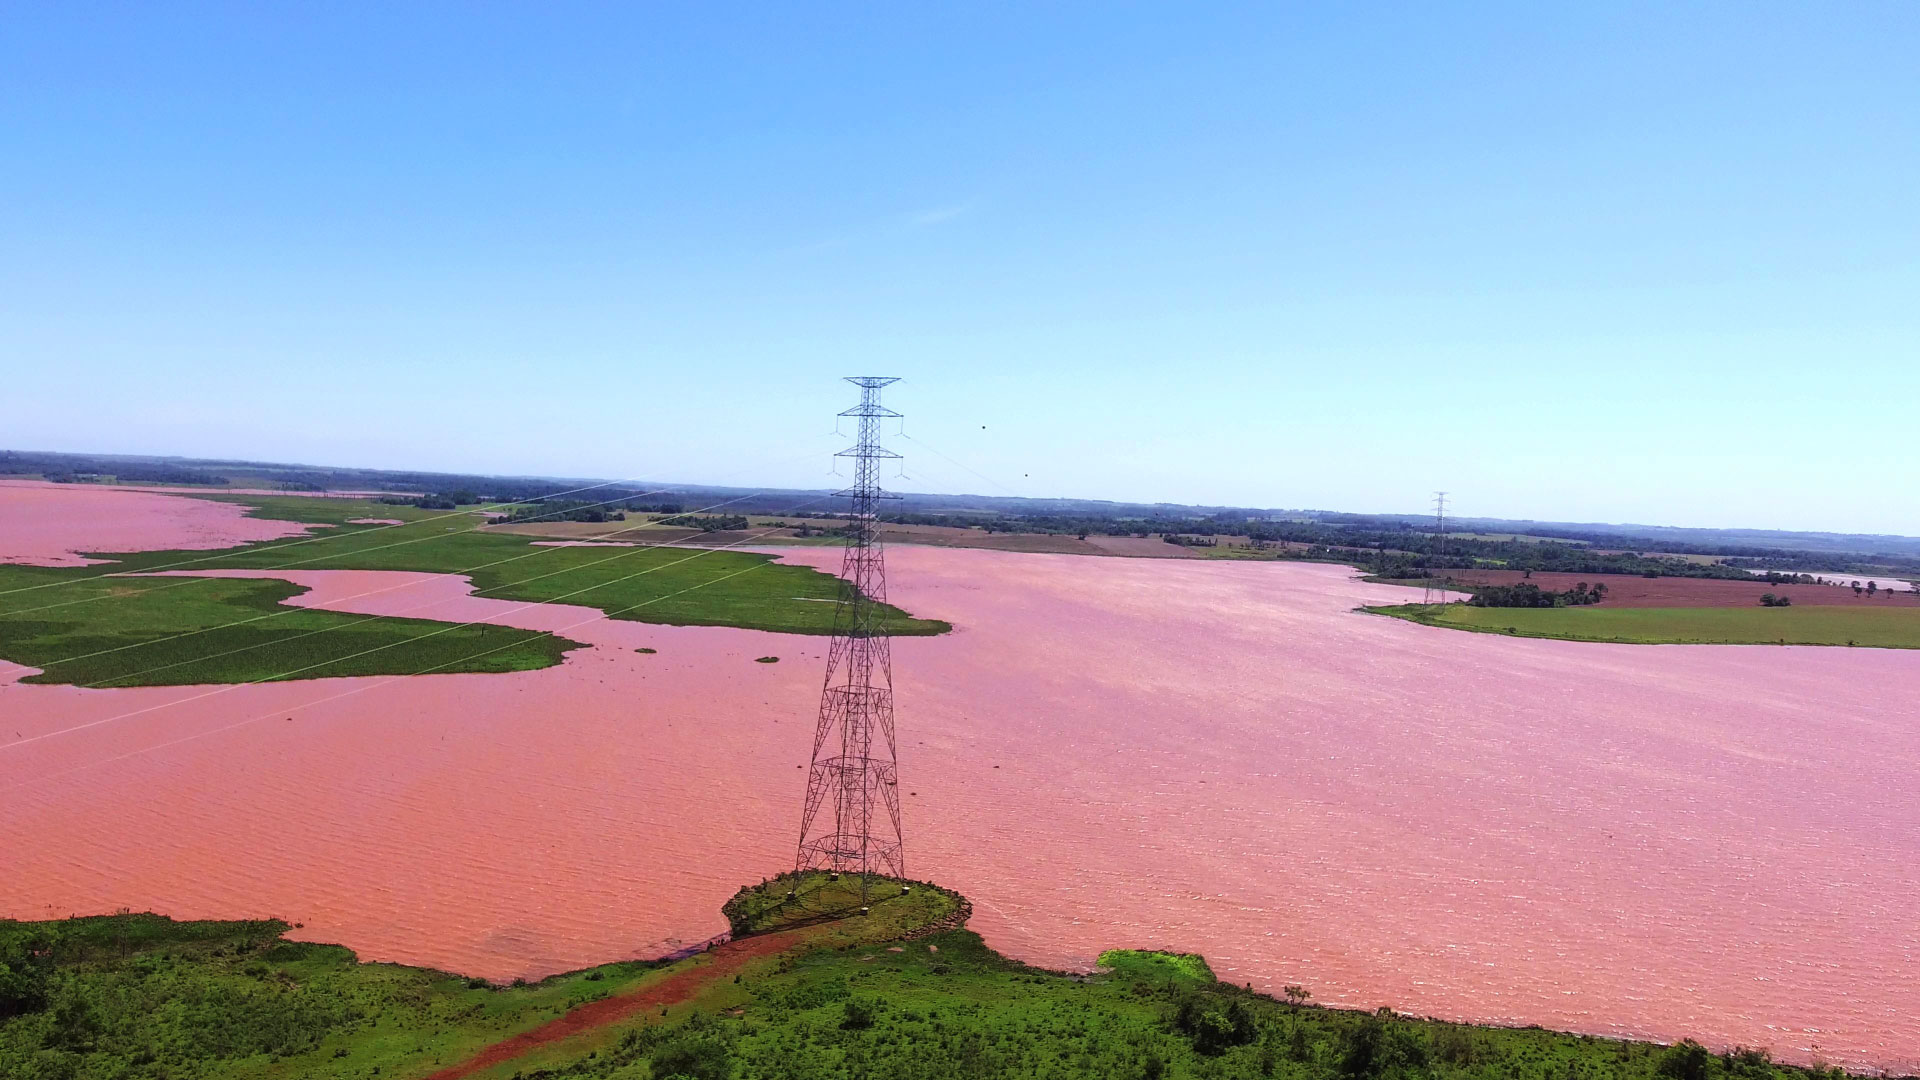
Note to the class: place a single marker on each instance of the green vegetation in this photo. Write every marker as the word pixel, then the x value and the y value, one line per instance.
pixel 140 997
pixel 101 629
pixel 119 632
pixel 896 908
pixel 1384 548
pixel 1895 628
pixel 1527 595
pixel 708 522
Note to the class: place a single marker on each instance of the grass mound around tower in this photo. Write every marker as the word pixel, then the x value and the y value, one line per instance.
pixel 896 907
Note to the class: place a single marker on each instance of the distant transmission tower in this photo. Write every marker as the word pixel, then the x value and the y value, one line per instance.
pixel 1437 594
pixel 853 778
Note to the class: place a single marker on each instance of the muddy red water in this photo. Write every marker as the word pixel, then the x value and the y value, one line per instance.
pixel 1719 842
pixel 52 524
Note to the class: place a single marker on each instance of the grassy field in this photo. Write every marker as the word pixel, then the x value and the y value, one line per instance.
pixel 95 629
pixel 143 996
pixel 140 997
pixel 1895 628
pixel 129 632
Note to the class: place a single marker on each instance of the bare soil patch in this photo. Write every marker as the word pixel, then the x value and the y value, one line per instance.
pixel 722 960
pixel 1142 547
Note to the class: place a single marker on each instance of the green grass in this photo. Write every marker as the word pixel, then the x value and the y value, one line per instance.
pixel 1895 628
pixel 122 632
pixel 138 997
pixel 801 899
pixel 143 996
pixel 94 629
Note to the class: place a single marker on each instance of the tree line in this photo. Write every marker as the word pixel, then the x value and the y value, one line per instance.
pixel 1528 595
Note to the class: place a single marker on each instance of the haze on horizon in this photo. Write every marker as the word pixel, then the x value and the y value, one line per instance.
pixel 1639 263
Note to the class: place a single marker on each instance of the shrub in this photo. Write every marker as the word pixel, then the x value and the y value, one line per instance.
pixel 1458 1046
pixel 1373 1049
pixel 23 983
pixel 692 1057
pixel 1685 1060
pixel 1213 1022
pixel 860 1013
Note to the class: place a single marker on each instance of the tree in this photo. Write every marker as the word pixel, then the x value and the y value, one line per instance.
pixel 1685 1060
pixel 1214 1022
pixel 1373 1050
pixel 23 980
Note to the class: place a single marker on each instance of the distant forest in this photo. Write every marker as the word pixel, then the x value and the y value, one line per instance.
pixel 76 469
pixel 1400 545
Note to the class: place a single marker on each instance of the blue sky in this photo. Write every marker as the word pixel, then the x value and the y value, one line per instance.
pixel 1602 262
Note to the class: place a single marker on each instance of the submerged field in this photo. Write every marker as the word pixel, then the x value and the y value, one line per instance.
pixel 1189 755
pixel 1868 627
pixel 100 626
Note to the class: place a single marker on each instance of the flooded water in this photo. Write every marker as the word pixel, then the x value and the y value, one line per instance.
pixel 1720 842
pixel 48 524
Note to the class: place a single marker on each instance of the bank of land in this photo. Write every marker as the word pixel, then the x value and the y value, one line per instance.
pixel 903 992
pixel 1891 628
pixel 1678 610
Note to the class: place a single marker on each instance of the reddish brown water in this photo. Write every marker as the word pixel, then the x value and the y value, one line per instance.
pixel 1663 841
pixel 51 524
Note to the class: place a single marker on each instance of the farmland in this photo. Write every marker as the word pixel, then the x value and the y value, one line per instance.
pixel 96 626
pixel 1887 628
pixel 1685 611
pixel 1632 590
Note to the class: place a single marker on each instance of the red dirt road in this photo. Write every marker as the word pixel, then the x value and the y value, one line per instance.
pixel 722 960
pixel 1631 590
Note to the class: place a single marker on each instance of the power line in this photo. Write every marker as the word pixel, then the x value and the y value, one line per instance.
pixel 963 465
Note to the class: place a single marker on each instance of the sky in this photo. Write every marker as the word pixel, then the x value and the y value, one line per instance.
pixel 1629 262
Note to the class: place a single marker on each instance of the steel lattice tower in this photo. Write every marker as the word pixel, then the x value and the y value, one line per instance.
pixel 1435 594
pixel 853 778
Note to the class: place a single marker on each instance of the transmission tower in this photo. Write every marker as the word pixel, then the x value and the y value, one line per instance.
pixel 1437 594
pixel 853 777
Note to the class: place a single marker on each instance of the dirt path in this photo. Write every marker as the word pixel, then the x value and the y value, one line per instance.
pixel 722 961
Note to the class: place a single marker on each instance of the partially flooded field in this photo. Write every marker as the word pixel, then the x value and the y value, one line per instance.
pixel 1218 757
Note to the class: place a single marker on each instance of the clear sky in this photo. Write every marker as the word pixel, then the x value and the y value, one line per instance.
pixel 1596 262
